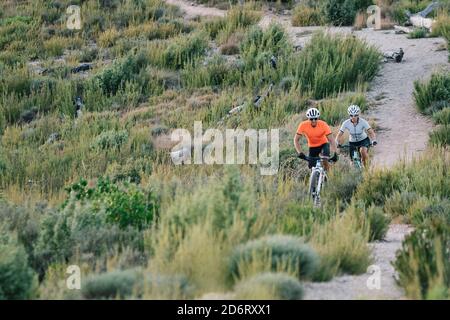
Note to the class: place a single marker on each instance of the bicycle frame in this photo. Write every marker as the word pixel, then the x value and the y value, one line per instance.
pixel 355 157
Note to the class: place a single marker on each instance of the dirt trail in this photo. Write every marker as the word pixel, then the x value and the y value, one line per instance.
pixel 192 9
pixel 401 133
pixel 350 287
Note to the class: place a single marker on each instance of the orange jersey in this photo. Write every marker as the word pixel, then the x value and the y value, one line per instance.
pixel 317 135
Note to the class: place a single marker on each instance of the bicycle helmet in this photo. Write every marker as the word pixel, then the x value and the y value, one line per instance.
pixel 353 110
pixel 312 113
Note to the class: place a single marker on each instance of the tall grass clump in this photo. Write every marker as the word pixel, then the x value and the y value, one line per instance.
pixel 423 263
pixel 183 50
pixel 426 175
pixel 342 246
pixel 282 252
pixel 343 12
pixel 304 15
pixel 433 95
pixel 333 63
pixel 273 286
pixel 17 279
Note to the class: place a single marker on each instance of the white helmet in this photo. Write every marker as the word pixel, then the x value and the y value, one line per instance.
pixel 353 110
pixel 312 113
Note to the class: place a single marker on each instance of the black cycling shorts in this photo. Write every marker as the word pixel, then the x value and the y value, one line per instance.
pixel 316 151
pixel 356 145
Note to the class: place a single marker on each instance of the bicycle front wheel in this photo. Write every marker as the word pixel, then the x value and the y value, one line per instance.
pixel 313 180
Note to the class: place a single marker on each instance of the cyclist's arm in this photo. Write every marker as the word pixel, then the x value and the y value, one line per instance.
pixel 339 137
pixel 371 134
pixel 297 142
pixel 332 142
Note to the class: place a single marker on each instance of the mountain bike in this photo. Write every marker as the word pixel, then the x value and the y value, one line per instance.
pixel 317 178
pixel 355 156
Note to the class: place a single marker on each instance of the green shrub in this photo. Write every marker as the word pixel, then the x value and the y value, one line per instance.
pixel 306 16
pixel 298 218
pixel 427 94
pixel 423 264
pixel 378 186
pixel 81 232
pixel 129 206
pixel 442 116
pixel 269 286
pixel 17 279
pixel 110 285
pixel 130 171
pixel 345 181
pixel 378 223
pixel 110 139
pixel 399 203
pixel 343 12
pixel 134 283
pixel 284 252
pixel 333 63
pixel 184 50
pixel 417 33
pixel 434 209
pixel 258 46
pixel 341 243
pixel 22 221
pixel 115 77
pixel 88 55
pixel 441 136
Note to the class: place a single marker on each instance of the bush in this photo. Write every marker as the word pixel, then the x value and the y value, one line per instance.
pixel 183 50
pixel 378 223
pixel 283 252
pixel 258 46
pixel 110 140
pixel 306 16
pixel 115 77
pixel 108 38
pixel 417 33
pixel 332 63
pixel 442 116
pixel 442 25
pixel 345 180
pixel 81 232
pixel 434 90
pixel 378 186
pixel 269 286
pixel 343 12
pixel 54 47
pixel 134 283
pixel 125 207
pixel 17 279
pixel 298 219
pixel 441 136
pixel 433 209
pixel 110 285
pixel 342 246
pixel 423 264
pixel 399 203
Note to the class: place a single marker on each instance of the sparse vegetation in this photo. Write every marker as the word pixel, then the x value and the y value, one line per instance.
pixel 95 185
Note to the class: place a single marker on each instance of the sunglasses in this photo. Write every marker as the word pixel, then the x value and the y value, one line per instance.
pixel 355 116
pixel 313 119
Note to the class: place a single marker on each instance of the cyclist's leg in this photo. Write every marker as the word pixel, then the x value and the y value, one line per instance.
pixel 364 150
pixel 314 153
pixel 352 147
pixel 326 152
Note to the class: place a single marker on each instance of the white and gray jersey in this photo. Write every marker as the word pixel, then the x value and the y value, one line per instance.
pixel 357 131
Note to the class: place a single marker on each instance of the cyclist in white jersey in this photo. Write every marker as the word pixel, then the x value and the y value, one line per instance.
pixel 359 132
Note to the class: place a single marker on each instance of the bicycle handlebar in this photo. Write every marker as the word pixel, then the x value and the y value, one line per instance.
pixel 308 158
